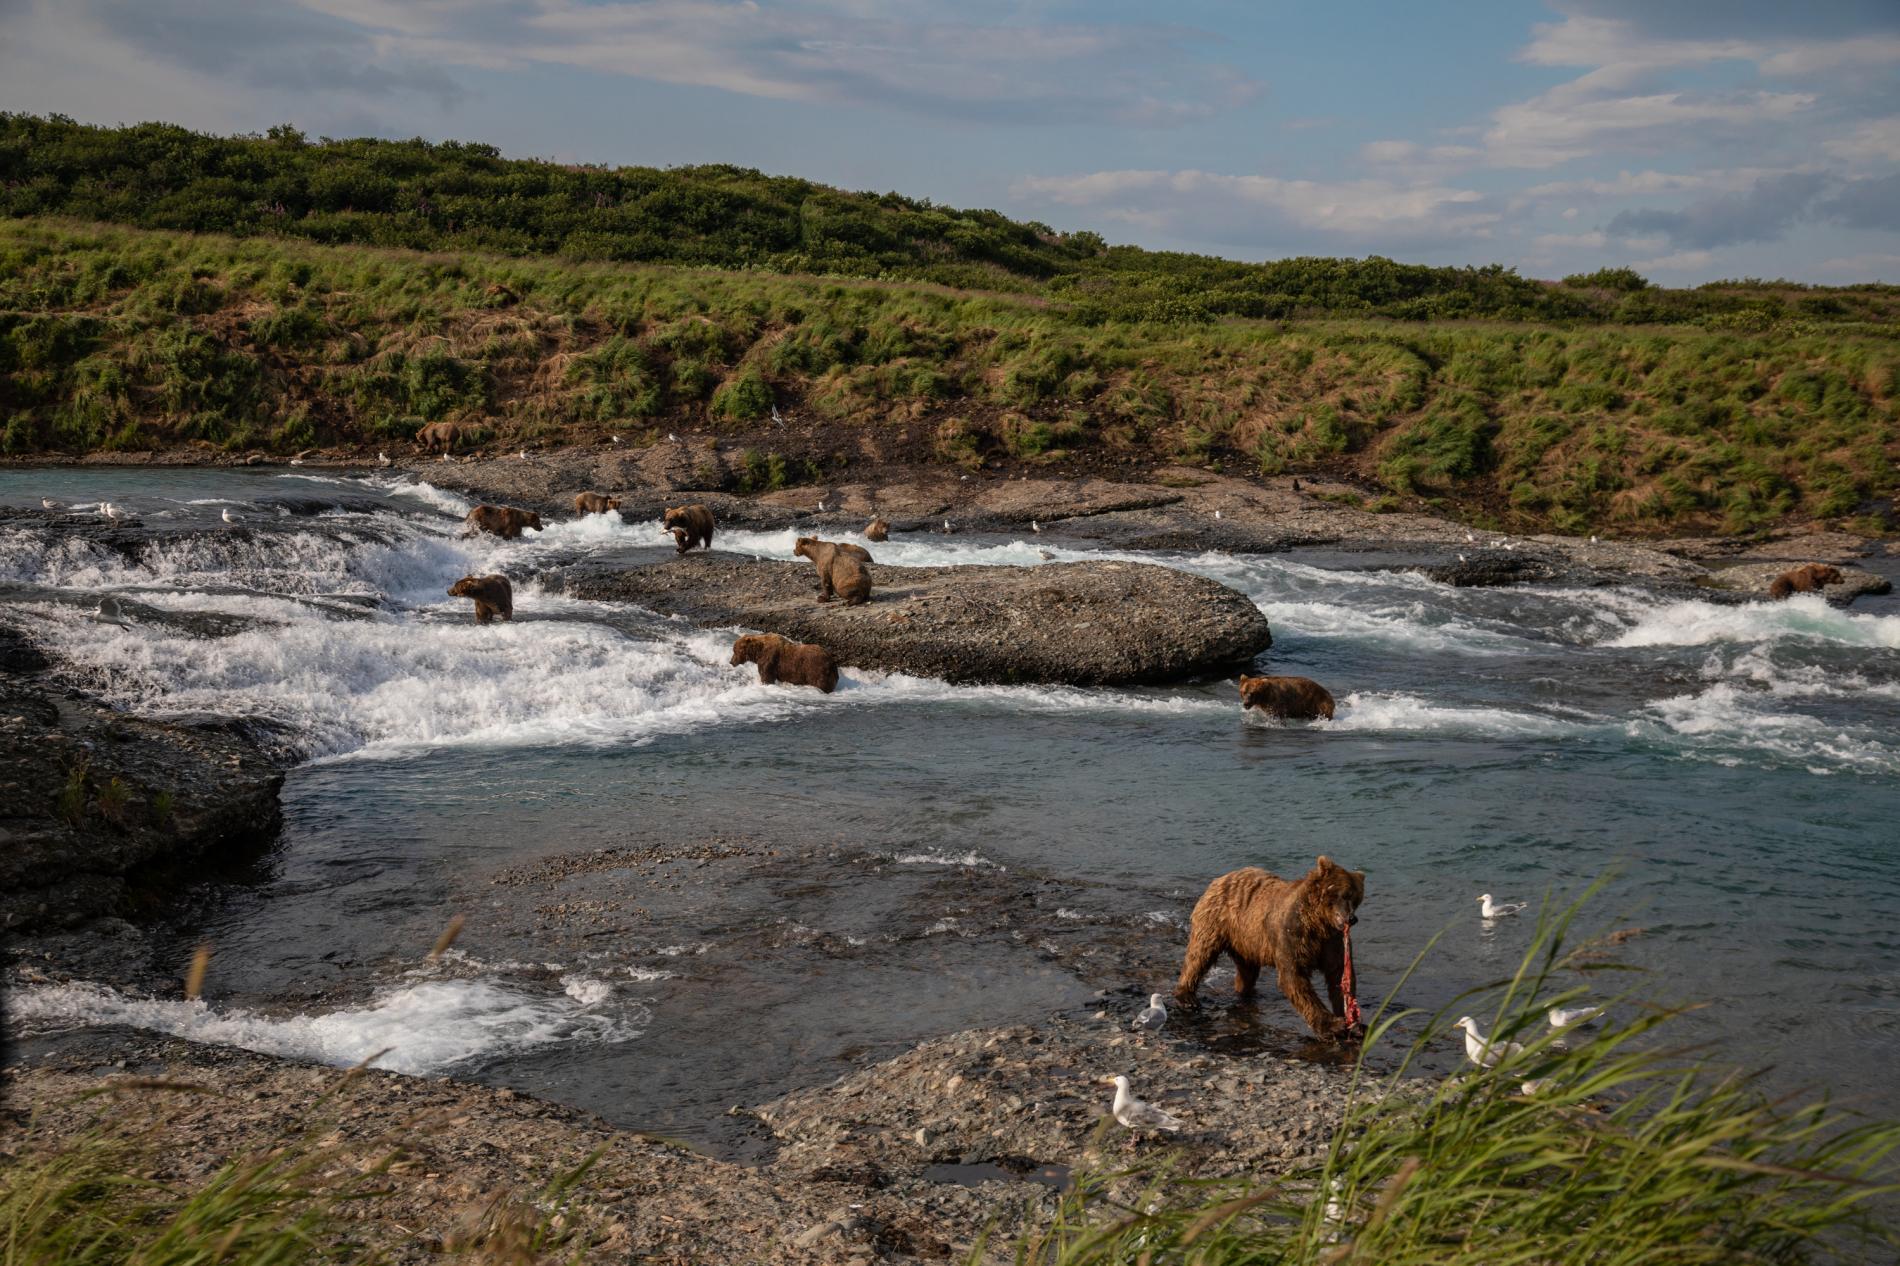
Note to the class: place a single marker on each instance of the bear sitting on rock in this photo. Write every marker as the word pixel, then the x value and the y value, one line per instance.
pixel 1295 927
pixel 493 595
pixel 1807 578
pixel 840 567
pixel 503 521
pixel 594 503
pixel 784 662
pixel 1295 698
pixel 690 526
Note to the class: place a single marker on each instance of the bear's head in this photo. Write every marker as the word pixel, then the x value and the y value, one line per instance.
pixel 671 516
pixel 613 503
pixel 804 545
pixel 1334 894
pixel 1824 575
pixel 530 519
pixel 464 587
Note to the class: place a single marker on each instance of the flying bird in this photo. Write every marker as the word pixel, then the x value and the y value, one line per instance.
pixel 1478 1050
pixel 1494 910
pixel 1152 1016
pixel 1571 1017
pixel 1137 1115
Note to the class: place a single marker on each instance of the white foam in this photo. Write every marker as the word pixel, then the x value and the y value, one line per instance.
pixel 586 990
pixel 1367 710
pixel 1806 617
pixel 427 493
pixel 1726 718
pixel 424 1027
pixel 971 859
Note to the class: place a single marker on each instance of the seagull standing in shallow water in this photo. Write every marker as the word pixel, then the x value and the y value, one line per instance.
pixel 230 516
pixel 1571 1017
pixel 1137 1115
pixel 111 511
pixel 1495 910
pixel 1152 1016
pixel 1484 1053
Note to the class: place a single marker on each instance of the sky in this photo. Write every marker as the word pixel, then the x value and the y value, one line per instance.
pixel 1690 139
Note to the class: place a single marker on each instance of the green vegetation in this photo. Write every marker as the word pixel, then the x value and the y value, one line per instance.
pixel 1622 1153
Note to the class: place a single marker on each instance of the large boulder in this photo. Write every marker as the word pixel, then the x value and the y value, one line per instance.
pixel 1086 624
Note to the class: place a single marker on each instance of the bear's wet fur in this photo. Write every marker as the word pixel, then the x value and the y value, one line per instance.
pixel 1294 927
pixel 690 526
pixel 785 662
pixel 840 568
pixel 503 521
pixel 1807 578
pixel 493 596
pixel 878 530
pixel 594 503
pixel 1295 698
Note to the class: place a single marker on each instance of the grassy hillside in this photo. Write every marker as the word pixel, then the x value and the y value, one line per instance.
pixel 465 197
pixel 114 338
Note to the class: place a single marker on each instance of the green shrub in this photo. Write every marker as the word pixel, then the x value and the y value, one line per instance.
pixel 745 397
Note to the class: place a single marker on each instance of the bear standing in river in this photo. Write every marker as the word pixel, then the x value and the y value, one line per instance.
pixel 594 503
pixel 493 595
pixel 1296 698
pixel 690 526
pixel 878 530
pixel 503 521
pixel 840 569
pixel 782 661
pixel 1295 927
pixel 1807 578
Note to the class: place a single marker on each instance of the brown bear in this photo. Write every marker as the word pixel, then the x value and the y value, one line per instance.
pixel 503 521
pixel 690 526
pixel 1297 698
pixel 1295 927
pixel 1807 578
pixel 793 663
pixel 840 568
pixel 493 595
pixel 441 435
pixel 878 530
pixel 594 503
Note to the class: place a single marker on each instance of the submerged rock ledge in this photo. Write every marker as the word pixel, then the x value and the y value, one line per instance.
pixel 1081 624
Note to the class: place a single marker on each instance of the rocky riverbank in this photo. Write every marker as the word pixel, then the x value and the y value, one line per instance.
pixel 1087 624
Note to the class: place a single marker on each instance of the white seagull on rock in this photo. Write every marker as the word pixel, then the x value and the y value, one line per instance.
pixel 47 503
pixel 1571 1017
pixel 1152 1016
pixel 1033 525
pixel 382 458
pixel 231 516
pixel 1484 1053
pixel 1137 1115
pixel 111 511
pixel 1497 910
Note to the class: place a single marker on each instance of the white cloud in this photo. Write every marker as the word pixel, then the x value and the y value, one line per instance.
pixel 1617 44
pixel 1875 142
pixel 1867 266
pixel 1676 262
pixel 1594 240
pixel 1568 122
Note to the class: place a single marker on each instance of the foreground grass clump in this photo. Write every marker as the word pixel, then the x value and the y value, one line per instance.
pixel 118 339
pixel 1618 1151
pixel 123 1195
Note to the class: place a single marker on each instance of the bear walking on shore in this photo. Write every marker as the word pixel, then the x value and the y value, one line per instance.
pixel 1295 927
pixel 503 521
pixel 690 526
pixel 493 595
pixel 439 435
pixel 840 567
pixel 594 503
pixel 1807 578
pixel 785 662
pixel 1295 698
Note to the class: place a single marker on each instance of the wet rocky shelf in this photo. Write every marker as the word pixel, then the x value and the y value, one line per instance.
pixel 1084 624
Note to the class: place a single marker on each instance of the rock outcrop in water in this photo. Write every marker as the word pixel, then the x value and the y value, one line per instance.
pixel 1085 624
pixel 95 806
pixel 1753 580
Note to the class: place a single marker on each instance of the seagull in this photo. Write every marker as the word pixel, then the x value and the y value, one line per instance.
pixel 230 516
pixel 1570 1017
pixel 1152 1016
pixel 1492 910
pixel 1536 1085
pixel 1593 540
pixel 614 438
pixel 111 511
pixel 672 438
pixel 1461 558
pixel 776 419
pixel 47 503
pixel 1217 514
pixel 382 458
pixel 445 457
pixel 947 527
pixel 1470 539
pixel 524 454
pixel 1137 1115
pixel 1481 1052
pixel 298 461
pixel 109 611
pixel 821 507
pixel 1034 526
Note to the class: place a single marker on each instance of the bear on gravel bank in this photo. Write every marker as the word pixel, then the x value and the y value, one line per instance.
pixel 493 595
pixel 1295 927
pixel 840 568
pixel 439 436
pixel 788 663
pixel 503 521
pixel 1807 578
pixel 594 503
pixel 1295 698
pixel 690 526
